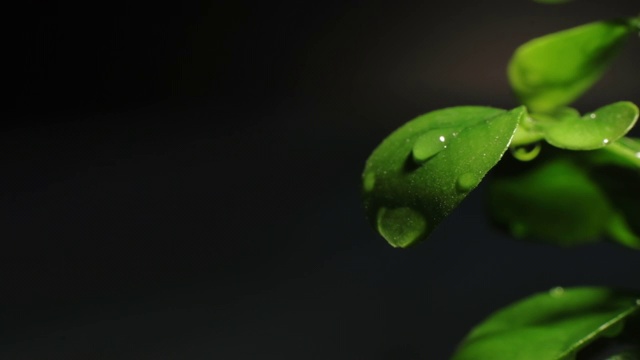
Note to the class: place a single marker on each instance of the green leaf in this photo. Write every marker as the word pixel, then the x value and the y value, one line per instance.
pixel 593 130
pixel 554 202
pixel 571 198
pixel 552 71
pixel 424 169
pixel 553 325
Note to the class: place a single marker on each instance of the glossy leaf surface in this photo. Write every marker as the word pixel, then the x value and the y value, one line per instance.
pixel 593 130
pixel 554 325
pixel 571 198
pixel 423 170
pixel 552 71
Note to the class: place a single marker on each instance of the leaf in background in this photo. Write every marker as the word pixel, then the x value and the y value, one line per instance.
pixel 591 131
pixel 571 198
pixel 552 71
pixel 555 202
pixel 550 326
pixel 423 170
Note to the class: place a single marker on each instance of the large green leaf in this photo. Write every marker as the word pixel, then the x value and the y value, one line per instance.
pixel 554 325
pixel 552 71
pixel 423 170
pixel 570 198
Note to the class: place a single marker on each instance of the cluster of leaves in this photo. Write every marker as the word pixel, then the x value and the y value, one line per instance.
pixel 576 182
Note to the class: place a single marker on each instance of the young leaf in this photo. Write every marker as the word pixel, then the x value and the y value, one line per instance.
pixel 550 326
pixel 423 170
pixel 594 130
pixel 552 71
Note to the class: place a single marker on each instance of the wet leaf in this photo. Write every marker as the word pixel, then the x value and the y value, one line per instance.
pixel 553 325
pixel 593 130
pixel 423 170
pixel 552 71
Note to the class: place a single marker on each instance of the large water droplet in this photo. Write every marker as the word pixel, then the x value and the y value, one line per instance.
pixel 526 153
pixel 429 145
pixel 556 292
pixel 402 226
pixel 369 181
pixel 467 182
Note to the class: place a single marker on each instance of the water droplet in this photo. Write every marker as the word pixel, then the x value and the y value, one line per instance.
pixel 638 155
pixel 429 145
pixel 369 181
pixel 466 182
pixel 526 153
pixel 556 292
pixel 592 115
pixel 605 141
pixel 518 229
pixel 402 226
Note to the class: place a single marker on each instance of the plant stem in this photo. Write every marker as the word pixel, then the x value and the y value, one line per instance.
pixel 624 151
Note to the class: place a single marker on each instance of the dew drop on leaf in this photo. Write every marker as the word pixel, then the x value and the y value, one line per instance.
pixel 429 145
pixel 556 291
pixel 369 181
pixel 401 226
pixel 467 182
pixel 518 229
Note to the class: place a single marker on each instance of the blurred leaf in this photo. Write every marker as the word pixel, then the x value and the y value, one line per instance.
pixel 554 202
pixel 423 170
pixel 570 198
pixel 553 325
pixel 593 130
pixel 552 71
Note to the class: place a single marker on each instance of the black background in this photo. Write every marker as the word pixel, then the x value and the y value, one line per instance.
pixel 181 181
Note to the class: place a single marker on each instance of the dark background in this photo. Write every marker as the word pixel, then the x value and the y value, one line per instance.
pixel 181 181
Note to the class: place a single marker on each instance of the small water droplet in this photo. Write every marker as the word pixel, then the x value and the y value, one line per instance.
pixel 467 182
pixel 369 181
pixel 526 153
pixel 638 155
pixel 605 141
pixel 592 115
pixel 518 229
pixel 428 145
pixel 638 302
pixel 402 226
pixel 556 292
